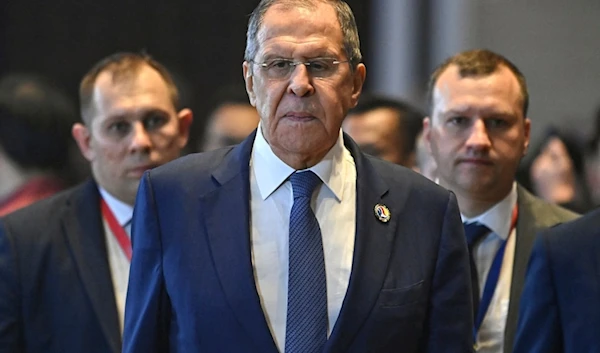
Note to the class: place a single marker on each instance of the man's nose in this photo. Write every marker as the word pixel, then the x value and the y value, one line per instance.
pixel 140 139
pixel 478 136
pixel 300 81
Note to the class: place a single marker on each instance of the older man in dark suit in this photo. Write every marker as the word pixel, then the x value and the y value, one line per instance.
pixel 64 262
pixel 295 240
pixel 478 131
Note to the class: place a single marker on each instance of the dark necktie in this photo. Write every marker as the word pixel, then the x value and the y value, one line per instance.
pixel 306 326
pixel 474 232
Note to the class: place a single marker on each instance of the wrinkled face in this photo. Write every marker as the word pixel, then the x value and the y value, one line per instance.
pixel 134 128
pixel 302 114
pixel 477 132
pixel 377 133
pixel 229 125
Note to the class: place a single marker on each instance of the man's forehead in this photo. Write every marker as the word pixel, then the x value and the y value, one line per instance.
pixel 144 80
pixel 498 86
pixel 129 96
pixel 284 24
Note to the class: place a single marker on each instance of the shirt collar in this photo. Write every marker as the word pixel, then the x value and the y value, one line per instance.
pixel 271 172
pixel 498 218
pixel 122 211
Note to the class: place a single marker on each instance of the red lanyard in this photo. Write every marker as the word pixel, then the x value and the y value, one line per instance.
pixel 118 231
pixel 513 222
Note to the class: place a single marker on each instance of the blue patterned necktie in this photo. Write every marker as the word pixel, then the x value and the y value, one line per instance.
pixel 306 326
pixel 474 233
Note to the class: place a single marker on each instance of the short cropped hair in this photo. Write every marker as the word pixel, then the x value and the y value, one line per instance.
pixel 123 66
pixel 410 119
pixel 35 122
pixel 344 15
pixel 476 63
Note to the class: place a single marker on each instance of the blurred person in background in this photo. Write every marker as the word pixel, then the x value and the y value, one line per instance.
pixel 592 162
pixel 385 128
pixel 35 123
pixel 231 119
pixel 425 163
pixel 478 131
pixel 556 172
pixel 64 261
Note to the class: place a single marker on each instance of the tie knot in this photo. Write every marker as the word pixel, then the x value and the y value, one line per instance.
pixel 304 183
pixel 474 232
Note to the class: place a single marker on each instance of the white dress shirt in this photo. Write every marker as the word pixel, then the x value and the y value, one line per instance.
pixel 498 219
pixel 271 199
pixel 117 260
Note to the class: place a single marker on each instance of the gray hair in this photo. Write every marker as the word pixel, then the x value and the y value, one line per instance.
pixel 344 15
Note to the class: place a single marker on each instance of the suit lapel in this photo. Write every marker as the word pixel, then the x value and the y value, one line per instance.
pixel 229 237
pixel 372 250
pixel 84 233
pixel 532 219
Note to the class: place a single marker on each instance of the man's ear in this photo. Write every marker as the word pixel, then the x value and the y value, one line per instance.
pixel 249 79
pixel 527 133
pixel 82 136
pixel 185 117
pixel 427 133
pixel 358 79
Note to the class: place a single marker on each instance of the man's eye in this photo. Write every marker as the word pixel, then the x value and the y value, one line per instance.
pixel 458 121
pixel 278 64
pixel 119 127
pixel 154 121
pixel 319 65
pixel 496 123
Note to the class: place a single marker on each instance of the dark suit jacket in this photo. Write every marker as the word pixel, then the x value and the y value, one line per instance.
pixel 535 215
pixel 192 286
pixel 560 310
pixel 56 292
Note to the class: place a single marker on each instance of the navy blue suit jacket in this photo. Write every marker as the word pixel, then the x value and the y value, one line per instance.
pixel 560 304
pixel 56 292
pixel 192 286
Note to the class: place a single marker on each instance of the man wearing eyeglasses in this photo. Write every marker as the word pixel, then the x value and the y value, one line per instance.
pixel 294 240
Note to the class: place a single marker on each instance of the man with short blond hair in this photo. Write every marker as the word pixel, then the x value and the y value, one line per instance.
pixel 64 261
pixel 478 131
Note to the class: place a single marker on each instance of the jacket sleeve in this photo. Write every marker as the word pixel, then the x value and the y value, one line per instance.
pixel 147 310
pixel 11 336
pixel 450 320
pixel 538 329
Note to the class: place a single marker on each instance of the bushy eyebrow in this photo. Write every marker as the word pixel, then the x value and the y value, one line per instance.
pixel 274 52
pixel 138 113
pixel 467 111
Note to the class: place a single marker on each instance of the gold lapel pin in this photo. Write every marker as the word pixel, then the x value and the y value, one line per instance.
pixel 382 213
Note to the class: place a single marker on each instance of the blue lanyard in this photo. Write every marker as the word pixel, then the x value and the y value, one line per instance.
pixel 492 279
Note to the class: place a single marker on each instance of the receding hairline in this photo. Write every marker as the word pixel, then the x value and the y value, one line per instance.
pixel 122 68
pixel 500 69
pixel 478 63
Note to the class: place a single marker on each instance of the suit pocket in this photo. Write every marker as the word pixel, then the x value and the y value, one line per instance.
pixel 398 297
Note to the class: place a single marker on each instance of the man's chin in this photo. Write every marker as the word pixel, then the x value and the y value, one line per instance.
pixel 475 185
